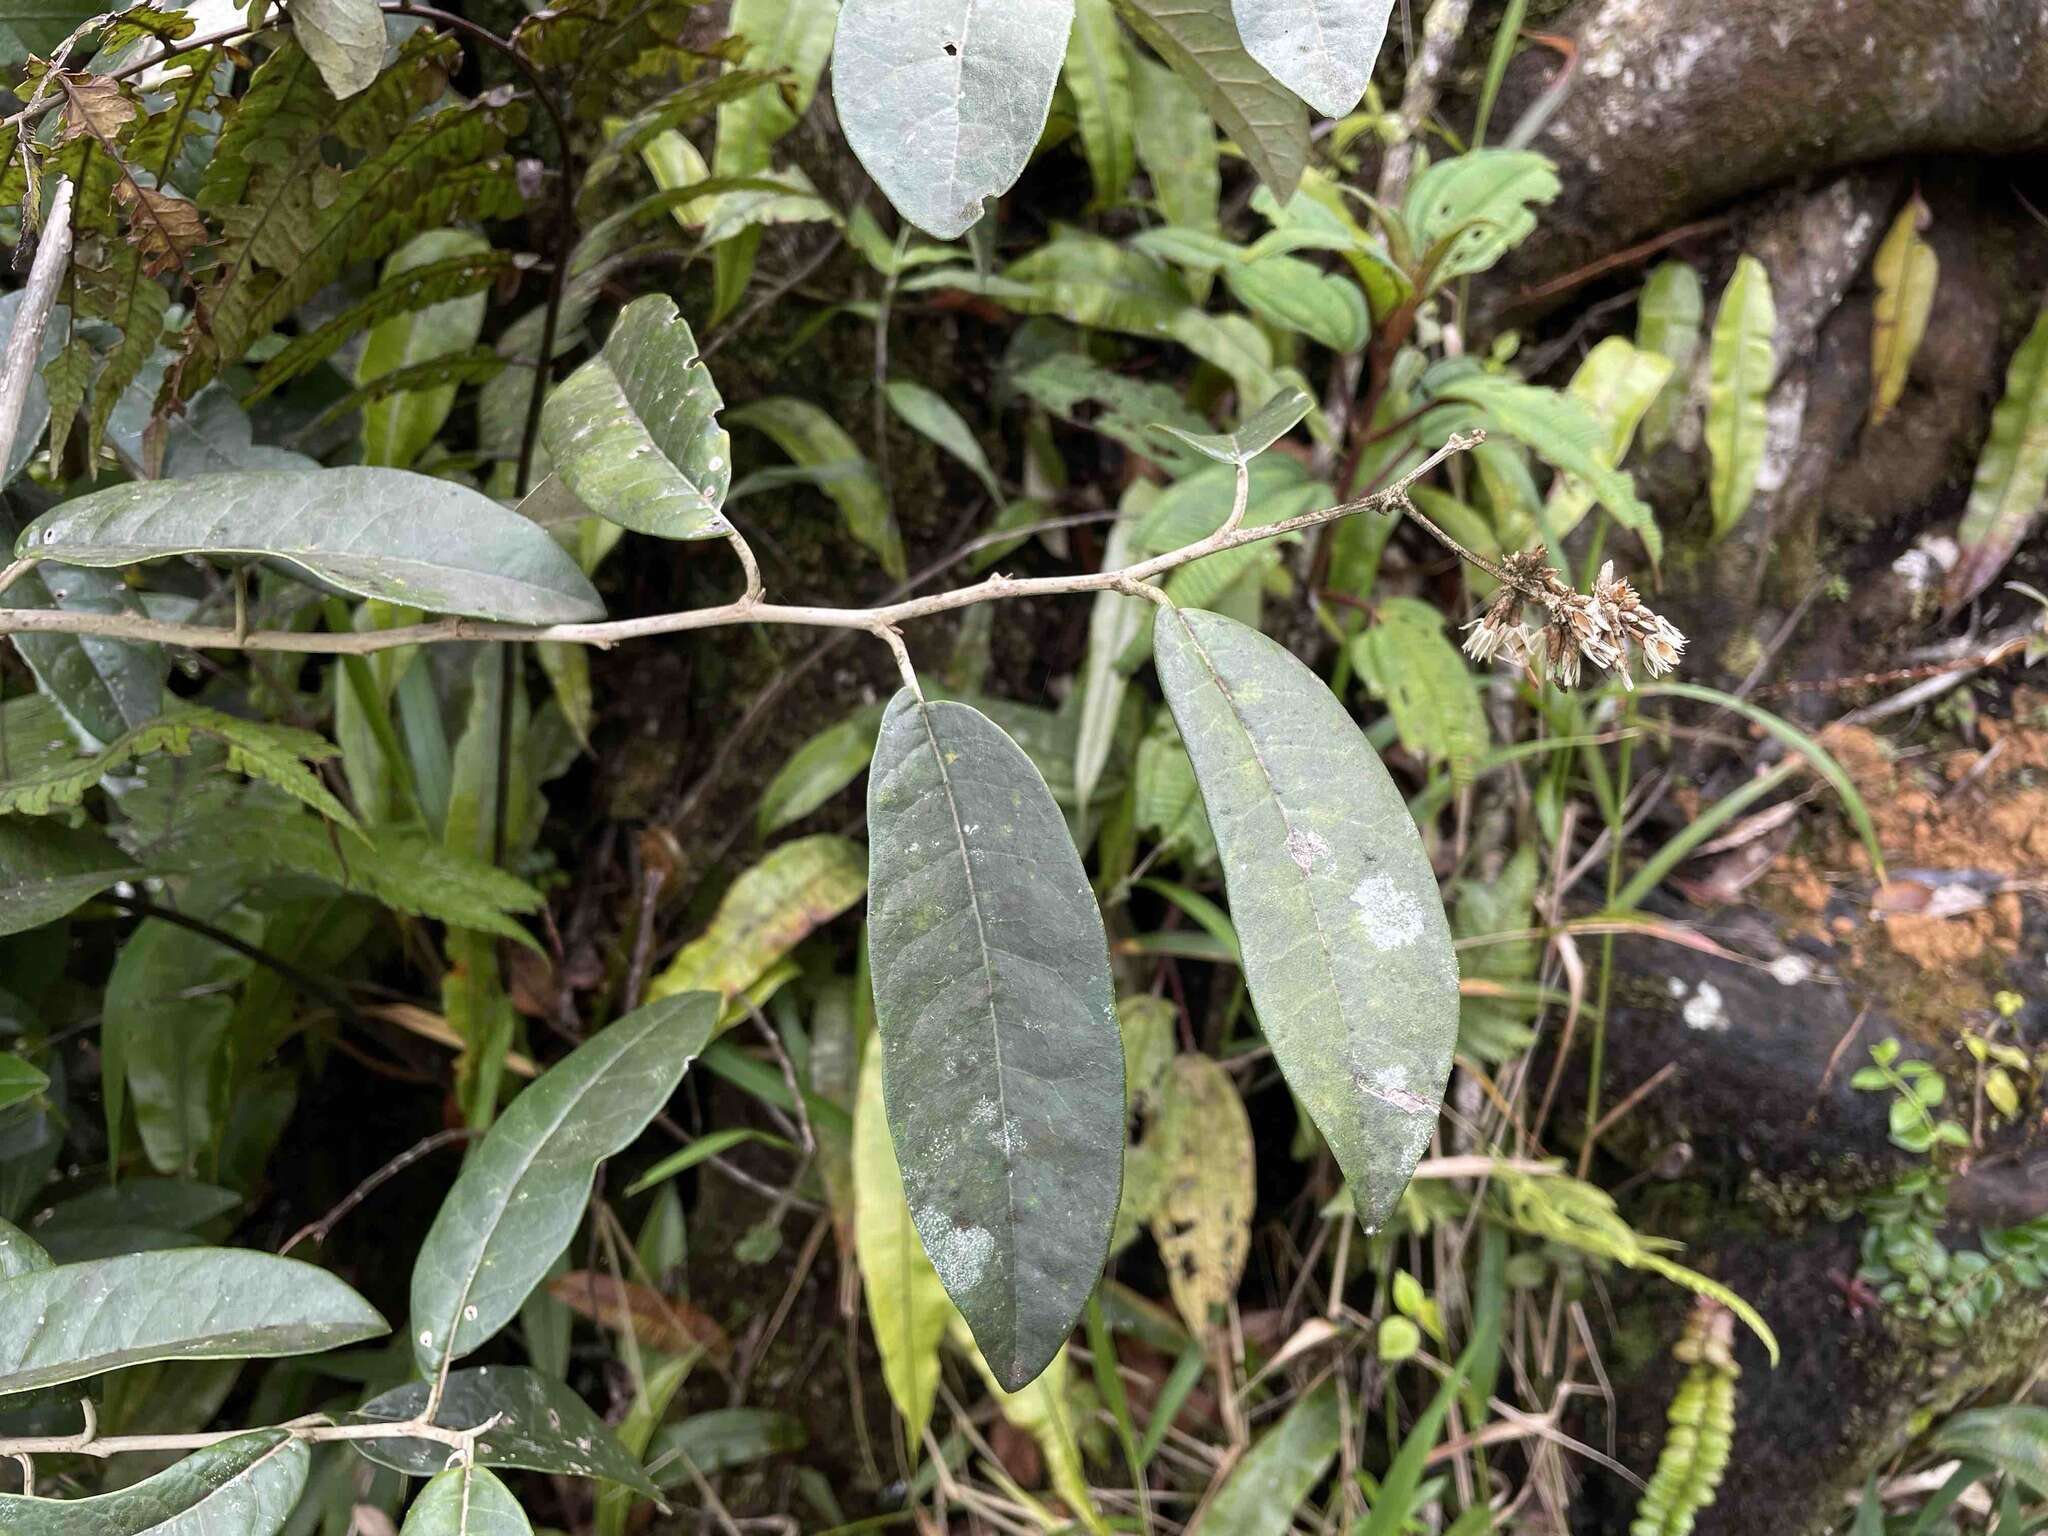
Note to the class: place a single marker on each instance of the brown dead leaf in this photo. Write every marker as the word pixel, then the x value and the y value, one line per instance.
pixel 659 1322
pixel 164 227
pixel 94 104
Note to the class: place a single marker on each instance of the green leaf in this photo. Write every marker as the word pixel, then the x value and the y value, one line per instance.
pixel 1429 689
pixel 344 39
pixel 399 427
pixel 79 1320
pixel 722 1439
pixel 20 1254
pixel 1176 144
pixel 177 1205
pixel 518 1200
pixel 466 1501
pixel 2013 1438
pixel 634 432
pixel 20 1080
pixel 38 26
pixel 1668 318
pixel 1256 433
pixel 1466 212
pixel 1167 803
pixel 1739 378
pixel 1616 383
pixel 944 103
pixel 1907 271
pixel 818 770
pixel 104 687
pixel 1203 1219
pixel 248 1485
pixel 1322 50
pixel 811 438
pixel 1199 42
pixel 1277 1475
pixel 384 533
pixel 1346 950
pixel 1094 282
pixel 277 754
pixel 169 1003
pixel 1098 74
pixel 1564 432
pixel 1001 1055
pixel 2012 472
pixel 1296 296
pixel 927 412
pixel 765 914
pixel 907 1307
pixel 47 870
pixel 1114 621
pixel 540 1426
pixel 1491 1029
pixel 1128 411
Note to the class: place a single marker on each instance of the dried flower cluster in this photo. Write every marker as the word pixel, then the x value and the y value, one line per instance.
pixel 1598 628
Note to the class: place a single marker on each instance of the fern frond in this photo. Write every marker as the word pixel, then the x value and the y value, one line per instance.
pixel 606 43
pixel 417 288
pixel 292 218
pixel 1702 1428
pixel 275 754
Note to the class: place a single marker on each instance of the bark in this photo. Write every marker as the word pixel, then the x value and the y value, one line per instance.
pixel 1678 107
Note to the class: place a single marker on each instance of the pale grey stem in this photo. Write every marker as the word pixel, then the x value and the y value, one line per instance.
pixel 25 344
pixel 746 610
pixel 1442 26
pixel 888 635
pixel 89 1442
pixel 1241 499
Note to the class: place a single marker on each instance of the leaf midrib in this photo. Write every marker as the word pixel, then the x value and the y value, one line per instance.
pixel 924 715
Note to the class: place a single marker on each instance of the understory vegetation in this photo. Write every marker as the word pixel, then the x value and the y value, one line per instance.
pixel 849 765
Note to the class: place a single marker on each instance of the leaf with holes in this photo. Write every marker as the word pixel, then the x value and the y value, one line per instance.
pixel 1346 950
pixel 1202 1221
pixel 384 533
pixel 1322 50
pixel 1000 1051
pixel 1466 212
pixel 537 1424
pixel 518 1200
pixel 943 101
pixel 1199 42
pixel 248 1485
pixel 634 432
pixel 79 1320
pixel 466 1501
pixel 1739 379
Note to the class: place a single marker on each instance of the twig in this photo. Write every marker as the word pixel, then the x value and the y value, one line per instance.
pixel 319 1230
pixel 315 1429
pixel 25 342
pixel 747 609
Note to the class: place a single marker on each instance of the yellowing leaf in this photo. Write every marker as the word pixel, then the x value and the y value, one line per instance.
pixel 1203 1222
pixel 1740 366
pixel 1617 382
pixel 907 1306
pixel 1668 318
pixel 2012 471
pixel 770 909
pixel 1043 1411
pixel 1907 271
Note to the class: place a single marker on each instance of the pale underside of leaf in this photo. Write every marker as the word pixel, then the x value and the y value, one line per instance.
pixel 1322 50
pixel 79 1320
pixel 248 1486
pixel 383 533
pixel 1346 949
pixel 1001 1054
pixel 944 100
pixel 634 432
pixel 1198 40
